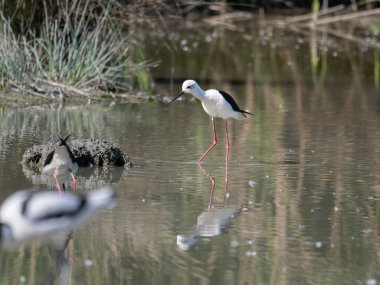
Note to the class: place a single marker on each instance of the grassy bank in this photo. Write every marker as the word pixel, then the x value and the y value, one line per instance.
pixel 67 47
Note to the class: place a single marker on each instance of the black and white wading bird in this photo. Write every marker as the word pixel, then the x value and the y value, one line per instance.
pixel 36 215
pixel 61 163
pixel 217 104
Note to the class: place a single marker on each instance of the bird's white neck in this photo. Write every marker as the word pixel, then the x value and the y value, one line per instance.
pixel 198 92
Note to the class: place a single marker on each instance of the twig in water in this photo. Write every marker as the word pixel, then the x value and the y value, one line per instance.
pixel 347 17
pixel 68 88
pixel 28 91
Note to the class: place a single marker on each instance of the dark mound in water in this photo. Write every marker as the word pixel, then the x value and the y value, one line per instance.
pixel 87 152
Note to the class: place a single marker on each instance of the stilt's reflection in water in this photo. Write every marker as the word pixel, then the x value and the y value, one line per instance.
pixel 57 248
pixel 212 222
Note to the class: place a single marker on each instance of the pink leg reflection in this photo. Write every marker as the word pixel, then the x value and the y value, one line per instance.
pixel 212 179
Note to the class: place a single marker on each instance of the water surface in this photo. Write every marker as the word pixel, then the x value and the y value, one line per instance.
pixel 303 176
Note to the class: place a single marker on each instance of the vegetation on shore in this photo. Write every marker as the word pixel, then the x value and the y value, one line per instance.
pixel 52 48
pixel 69 47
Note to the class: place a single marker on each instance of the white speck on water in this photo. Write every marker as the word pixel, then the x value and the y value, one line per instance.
pixel 88 263
pixel 143 200
pixel 234 243
pixel 336 209
pixel 352 238
pixel 312 210
pixel 266 176
pixel 228 195
pixel 184 42
pixel 189 178
pixel 333 193
pixel 318 244
pixel 250 253
pixel 371 281
pixel 249 241
pixel 251 183
pixel 250 202
pixel 251 157
pixel 332 245
pixel 301 227
pixel 335 54
pixel 22 279
pixel 245 209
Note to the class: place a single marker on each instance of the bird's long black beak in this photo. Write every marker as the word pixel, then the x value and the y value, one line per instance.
pixel 179 95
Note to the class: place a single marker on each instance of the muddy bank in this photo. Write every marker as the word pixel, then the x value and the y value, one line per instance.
pixel 87 152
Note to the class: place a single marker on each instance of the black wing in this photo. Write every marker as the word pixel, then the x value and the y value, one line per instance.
pixel 233 104
pixel 63 212
pixel 58 210
pixel 49 158
pixel 71 154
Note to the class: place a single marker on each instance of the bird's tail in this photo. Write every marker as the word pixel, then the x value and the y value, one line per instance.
pixel 245 112
pixel 101 198
pixel 63 141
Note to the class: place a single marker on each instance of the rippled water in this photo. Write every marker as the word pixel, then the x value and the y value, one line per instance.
pixel 303 177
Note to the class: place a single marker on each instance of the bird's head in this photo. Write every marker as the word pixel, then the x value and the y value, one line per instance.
pixel 188 86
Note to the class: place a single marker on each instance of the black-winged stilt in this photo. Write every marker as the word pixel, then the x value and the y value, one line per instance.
pixel 61 163
pixel 28 215
pixel 217 104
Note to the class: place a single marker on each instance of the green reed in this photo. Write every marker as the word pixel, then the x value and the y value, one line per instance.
pixel 79 45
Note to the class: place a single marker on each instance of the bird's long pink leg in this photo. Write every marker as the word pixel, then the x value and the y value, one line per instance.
pixel 227 157
pixel 213 144
pixel 57 183
pixel 74 182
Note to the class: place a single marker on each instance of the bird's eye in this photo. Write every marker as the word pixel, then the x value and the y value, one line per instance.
pixel 190 86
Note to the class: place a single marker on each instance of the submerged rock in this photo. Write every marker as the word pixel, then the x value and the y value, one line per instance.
pixel 87 152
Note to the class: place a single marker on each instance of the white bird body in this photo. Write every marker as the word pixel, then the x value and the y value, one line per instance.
pixel 61 164
pixel 28 215
pixel 217 104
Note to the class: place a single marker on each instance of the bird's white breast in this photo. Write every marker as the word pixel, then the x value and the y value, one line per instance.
pixel 215 105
